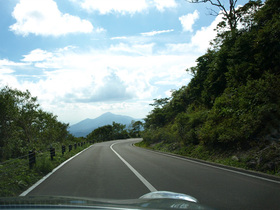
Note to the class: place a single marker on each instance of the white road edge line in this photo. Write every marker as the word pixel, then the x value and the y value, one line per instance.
pixel 217 167
pixel 49 174
pixel 142 179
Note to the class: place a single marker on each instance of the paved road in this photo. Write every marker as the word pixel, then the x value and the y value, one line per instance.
pixel 116 169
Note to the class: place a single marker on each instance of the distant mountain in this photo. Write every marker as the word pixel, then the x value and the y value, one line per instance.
pixel 83 128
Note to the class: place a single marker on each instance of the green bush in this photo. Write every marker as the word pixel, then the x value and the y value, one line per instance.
pixel 243 114
pixel 44 165
pixel 188 124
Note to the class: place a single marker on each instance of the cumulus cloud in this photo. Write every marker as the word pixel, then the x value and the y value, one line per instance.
pixel 85 82
pixel 6 79
pixel 66 76
pixel 37 55
pixel 112 89
pixel 44 18
pixel 188 20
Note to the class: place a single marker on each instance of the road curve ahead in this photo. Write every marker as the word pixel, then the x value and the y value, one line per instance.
pixel 119 170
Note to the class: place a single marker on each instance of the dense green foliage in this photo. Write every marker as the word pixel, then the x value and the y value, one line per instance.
pixel 25 126
pixel 115 131
pixel 108 132
pixel 232 101
pixel 135 129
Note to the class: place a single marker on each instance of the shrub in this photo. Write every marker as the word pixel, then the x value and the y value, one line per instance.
pixel 243 114
pixel 43 165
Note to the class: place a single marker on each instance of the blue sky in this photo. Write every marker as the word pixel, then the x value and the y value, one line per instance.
pixel 82 58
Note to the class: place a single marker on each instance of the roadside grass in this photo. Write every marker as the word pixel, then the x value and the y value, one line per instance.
pixel 16 177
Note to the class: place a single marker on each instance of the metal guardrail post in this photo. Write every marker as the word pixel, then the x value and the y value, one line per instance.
pixel 62 149
pixel 70 148
pixel 52 152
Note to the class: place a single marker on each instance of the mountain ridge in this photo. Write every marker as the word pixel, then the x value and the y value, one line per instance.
pixel 84 127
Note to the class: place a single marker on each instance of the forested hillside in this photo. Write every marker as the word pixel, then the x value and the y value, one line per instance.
pixel 232 102
pixel 83 128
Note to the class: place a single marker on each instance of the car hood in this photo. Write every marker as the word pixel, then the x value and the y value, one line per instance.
pixel 154 200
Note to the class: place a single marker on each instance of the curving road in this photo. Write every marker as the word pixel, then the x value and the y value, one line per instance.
pixel 118 170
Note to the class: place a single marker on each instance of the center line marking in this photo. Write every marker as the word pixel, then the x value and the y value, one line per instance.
pixel 142 179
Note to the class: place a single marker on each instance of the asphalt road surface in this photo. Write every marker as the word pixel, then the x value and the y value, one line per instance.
pixel 119 170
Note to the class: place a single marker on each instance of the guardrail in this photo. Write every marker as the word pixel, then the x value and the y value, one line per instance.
pixel 18 173
pixel 33 154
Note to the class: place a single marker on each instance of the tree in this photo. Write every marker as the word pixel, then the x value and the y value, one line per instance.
pixel 103 133
pixel 28 109
pixel 136 128
pixel 159 103
pixel 267 43
pixel 119 131
pixel 49 129
pixel 24 126
pixel 108 132
pixel 8 117
pixel 230 14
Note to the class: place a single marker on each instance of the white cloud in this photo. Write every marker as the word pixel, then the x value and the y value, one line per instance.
pixel 201 39
pixel 118 38
pixel 8 80
pixel 162 4
pixel 100 30
pixel 179 48
pixel 6 71
pixel 136 49
pixel 125 6
pixel 120 6
pixel 153 33
pixel 199 42
pixel 188 20
pixel 44 18
pixel 112 89
pixel 71 79
pixel 5 62
pixel 37 55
